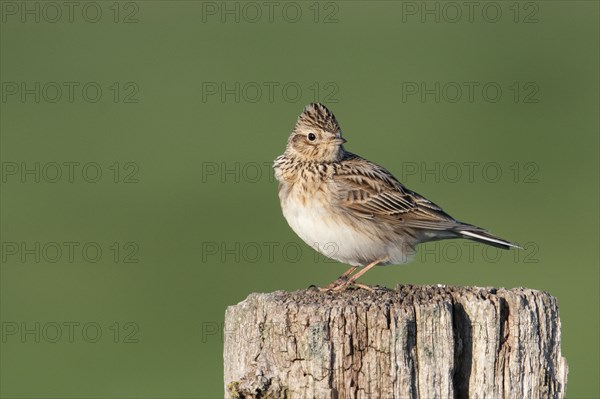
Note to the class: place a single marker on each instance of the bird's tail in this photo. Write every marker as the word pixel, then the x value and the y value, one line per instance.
pixel 480 235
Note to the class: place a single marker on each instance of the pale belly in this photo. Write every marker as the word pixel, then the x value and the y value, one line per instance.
pixel 338 240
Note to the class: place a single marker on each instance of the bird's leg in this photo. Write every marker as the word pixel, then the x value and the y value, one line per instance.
pixel 352 280
pixel 347 273
pixel 340 280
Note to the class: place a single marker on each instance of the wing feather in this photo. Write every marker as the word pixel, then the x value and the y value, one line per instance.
pixel 370 191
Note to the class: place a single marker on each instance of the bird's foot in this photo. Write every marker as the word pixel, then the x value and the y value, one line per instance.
pixel 348 279
pixel 337 285
pixel 344 284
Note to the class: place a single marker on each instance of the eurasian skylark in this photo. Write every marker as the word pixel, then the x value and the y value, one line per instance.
pixel 353 210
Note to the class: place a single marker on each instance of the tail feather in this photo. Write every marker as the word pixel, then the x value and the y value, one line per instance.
pixel 484 237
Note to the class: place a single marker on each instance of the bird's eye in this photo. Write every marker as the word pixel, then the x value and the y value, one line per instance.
pixel 311 137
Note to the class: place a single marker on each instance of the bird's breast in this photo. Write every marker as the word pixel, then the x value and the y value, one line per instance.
pixel 313 220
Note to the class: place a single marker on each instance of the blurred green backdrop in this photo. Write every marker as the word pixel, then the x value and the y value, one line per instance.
pixel 115 285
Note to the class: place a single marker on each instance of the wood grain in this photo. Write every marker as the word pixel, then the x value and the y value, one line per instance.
pixel 411 342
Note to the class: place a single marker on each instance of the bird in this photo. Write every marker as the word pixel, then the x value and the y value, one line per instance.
pixel 353 210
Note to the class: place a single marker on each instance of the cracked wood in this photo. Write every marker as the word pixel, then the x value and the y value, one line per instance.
pixel 411 342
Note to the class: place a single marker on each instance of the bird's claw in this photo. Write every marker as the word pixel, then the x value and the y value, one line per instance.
pixel 342 284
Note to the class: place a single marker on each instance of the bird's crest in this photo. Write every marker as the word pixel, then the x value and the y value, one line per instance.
pixel 316 115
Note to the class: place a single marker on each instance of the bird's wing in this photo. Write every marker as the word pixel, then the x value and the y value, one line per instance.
pixel 370 191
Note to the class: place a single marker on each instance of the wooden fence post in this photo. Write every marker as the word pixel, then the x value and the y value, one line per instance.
pixel 412 342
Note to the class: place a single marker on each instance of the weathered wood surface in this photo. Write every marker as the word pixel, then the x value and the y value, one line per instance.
pixel 412 342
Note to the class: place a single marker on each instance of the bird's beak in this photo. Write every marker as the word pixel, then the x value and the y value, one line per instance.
pixel 339 140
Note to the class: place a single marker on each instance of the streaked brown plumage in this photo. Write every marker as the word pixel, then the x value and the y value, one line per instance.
pixel 333 198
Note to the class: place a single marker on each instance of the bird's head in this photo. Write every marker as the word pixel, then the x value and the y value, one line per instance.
pixel 317 136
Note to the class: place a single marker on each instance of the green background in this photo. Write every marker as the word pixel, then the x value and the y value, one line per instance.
pixel 176 135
